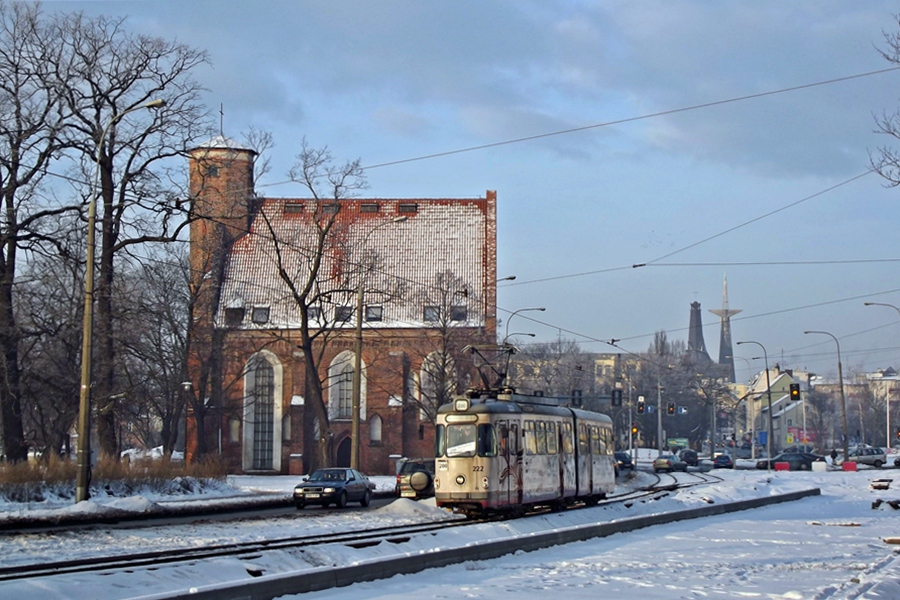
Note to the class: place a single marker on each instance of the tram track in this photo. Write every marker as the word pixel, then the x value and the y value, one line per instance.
pixel 356 539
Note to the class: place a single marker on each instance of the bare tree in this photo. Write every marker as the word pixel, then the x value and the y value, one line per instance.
pixel 117 72
pixel 444 369
pixel 48 305
pixel 153 361
pixel 886 160
pixel 554 368
pixel 300 266
pixel 32 116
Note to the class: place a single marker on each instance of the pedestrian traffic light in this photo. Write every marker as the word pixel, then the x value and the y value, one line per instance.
pixel 617 397
pixel 670 408
pixel 795 391
pixel 640 408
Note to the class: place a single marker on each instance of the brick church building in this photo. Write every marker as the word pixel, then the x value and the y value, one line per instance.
pixel 410 282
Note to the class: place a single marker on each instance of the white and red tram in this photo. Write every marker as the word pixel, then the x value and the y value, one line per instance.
pixel 499 452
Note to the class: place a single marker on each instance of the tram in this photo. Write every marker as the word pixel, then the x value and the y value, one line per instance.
pixel 499 451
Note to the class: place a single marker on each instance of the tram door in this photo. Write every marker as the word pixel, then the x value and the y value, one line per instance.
pixel 509 446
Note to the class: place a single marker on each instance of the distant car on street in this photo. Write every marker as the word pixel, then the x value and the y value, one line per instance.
pixel 690 457
pixel 623 462
pixel 866 456
pixel 334 486
pixel 797 461
pixel 723 461
pixel 669 463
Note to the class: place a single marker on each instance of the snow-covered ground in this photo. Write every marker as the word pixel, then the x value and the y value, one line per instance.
pixel 831 546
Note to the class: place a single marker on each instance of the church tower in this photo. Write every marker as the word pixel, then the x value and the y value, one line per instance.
pixel 726 354
pixel 222 202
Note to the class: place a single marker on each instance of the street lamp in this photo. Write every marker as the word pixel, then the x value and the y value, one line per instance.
pixel 357 358
pixel 841 379
pixel 83 475
pixel 769 394
pixel 514 313
pixel 887 403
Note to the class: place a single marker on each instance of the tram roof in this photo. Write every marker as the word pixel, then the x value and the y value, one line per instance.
pixel 518 404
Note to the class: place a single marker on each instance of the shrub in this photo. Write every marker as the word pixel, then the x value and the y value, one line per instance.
pixel 38 480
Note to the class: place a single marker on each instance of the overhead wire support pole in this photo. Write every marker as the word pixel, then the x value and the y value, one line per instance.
pixel 771 432
pixel 356 396
pixel 843 400
pixel 83 449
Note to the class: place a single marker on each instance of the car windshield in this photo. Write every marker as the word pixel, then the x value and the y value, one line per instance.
pixel 327 476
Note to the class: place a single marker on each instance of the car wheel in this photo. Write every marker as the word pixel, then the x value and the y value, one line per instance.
pixel 877 464
pixel 342 500
pixel 804 466
pixel 300 505
pixel 367 497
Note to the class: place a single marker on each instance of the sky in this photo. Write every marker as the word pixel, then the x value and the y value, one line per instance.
pixel 834 545
pixel 616 134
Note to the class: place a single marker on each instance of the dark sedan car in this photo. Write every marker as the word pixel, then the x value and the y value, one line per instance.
pixel 334 486
pixel 690 457
pixel 797 461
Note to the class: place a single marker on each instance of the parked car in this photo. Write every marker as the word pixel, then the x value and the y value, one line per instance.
pixel 416 478
pixel 723 461
pixel 669 463
pixel 797 461
pixel 865 456
pixel 334 486
pixel 690 457
pixel 623 462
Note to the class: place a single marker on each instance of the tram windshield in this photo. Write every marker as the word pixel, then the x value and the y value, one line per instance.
pixel 460 440
pixel 466 440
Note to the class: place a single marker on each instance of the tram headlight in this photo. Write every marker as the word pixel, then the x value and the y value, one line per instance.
pixel 460 479
pixel 484 482
pixel 437 483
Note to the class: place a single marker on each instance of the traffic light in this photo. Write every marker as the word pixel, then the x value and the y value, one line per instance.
pixel 640 405
pixel 617 397
pixel 898 433
pixel 670 408
pixel 634 428
pixel 795 391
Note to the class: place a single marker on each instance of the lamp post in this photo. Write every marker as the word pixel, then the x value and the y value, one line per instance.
pixel 887 402
pixel 843 401
pixel 83 453
pixel 357 358
pixel 769 395
pixel 514 313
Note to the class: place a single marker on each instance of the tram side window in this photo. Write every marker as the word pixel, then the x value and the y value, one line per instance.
pixel 460 440
pixel 595 440
pixel 530 443
pixel 583 448
pixel 552 439
pixel 607 441
pixel 540 435
pixel 568 446
pixel 439 441
pixel 487 441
